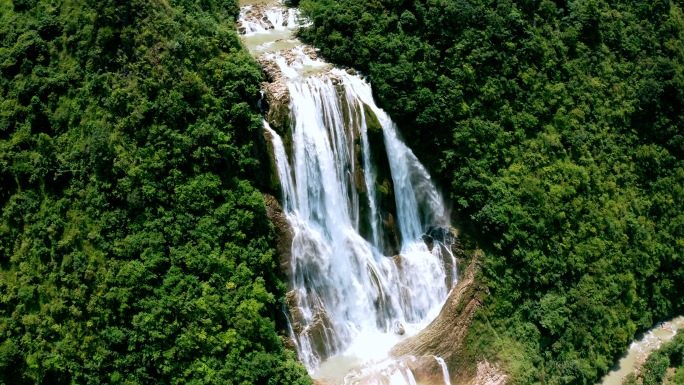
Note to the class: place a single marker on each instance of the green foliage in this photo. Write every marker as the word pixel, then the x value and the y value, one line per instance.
pixel 678 377
pixel 557 127
pixel 133 246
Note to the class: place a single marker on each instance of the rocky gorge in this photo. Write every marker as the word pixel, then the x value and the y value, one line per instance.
pixel 387 223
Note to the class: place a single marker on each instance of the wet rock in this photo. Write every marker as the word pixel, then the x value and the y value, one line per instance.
pixel 397 259
pixel 379 373
pixel 445 336
pixel 284 234
pixel 276 102
pixel 390 232
pixel 268 178
pixel 288 343
pixel 320 334
pixel 271 70
pixel 360 180
pixel 266 23
pixel 429 241
pixel 446 237
pixel 257 14
pixel 310 52
pixel 440 234
pixel 426 370
pixel 372 122
pixel 399 329
pixel 296 316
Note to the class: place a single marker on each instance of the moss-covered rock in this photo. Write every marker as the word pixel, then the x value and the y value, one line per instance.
pixel 372 121
pixel 283 232
pixel 268 180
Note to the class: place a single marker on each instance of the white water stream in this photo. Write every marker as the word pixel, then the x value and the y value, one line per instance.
pixel 349 301
pixel 445 371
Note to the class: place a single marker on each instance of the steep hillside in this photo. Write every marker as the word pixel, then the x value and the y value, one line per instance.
pixel 133 246
pixel 557 128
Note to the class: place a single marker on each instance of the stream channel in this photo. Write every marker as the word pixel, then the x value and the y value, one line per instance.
pixel 640 349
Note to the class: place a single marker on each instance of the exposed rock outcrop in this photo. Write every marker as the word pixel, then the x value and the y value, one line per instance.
pixel 445 336
pixel 268 178
pixel 489 374
pixel 320 333
pixel 284 233
pixel 257 14
pixel 276 101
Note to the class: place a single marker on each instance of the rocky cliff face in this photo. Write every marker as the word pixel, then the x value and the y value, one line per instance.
pixel 276 101
pixel 283 231
pixel 445 336
pixel 276 108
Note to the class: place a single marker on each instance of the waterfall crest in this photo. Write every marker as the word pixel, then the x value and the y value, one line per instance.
pixel 371 247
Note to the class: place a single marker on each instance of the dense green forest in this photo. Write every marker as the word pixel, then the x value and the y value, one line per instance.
pixel 557 128
pixel 133 247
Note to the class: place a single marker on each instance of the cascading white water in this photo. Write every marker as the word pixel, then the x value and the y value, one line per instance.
pixel 350 303
pixel 347 279
pixel 445 371
pixel 283 169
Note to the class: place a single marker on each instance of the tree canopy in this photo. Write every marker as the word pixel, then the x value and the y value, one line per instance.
pixel 134 247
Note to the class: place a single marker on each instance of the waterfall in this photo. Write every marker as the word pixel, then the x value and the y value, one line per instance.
pixel 445 371
pixel 351 299
pixel 284 172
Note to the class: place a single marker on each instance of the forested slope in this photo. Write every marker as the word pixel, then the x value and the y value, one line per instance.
pixel 557 128
pixel 133 246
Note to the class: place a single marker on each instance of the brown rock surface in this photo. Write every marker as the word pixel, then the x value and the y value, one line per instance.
pixel 445 336
pixel 284 233
pixel 257 14
pixel 277 98
pixel 489 374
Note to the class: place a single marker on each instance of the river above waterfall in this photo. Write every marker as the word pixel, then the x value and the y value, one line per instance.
pixel 371 259
pixel 648 342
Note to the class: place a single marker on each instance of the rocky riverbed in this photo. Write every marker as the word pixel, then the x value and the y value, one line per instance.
pixel 639 350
